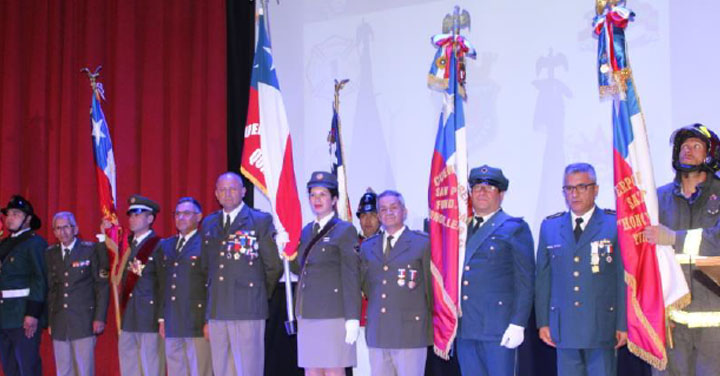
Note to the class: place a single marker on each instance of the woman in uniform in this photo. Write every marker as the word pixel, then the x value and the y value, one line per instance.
pixel 328 293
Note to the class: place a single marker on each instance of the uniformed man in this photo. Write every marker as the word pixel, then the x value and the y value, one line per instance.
pixel 395 272
pixel 183 295
pixel 243 267
pixel 580 291
pixel 690 222
pixel 368 215
pixel 23 287
pixel 141 350
pixel 497 280
pixel 78 295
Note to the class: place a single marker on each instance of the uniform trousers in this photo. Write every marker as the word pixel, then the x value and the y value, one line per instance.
pixel 397 362
pixel 19 354
pixel 485 358
pixel 586 362
pixel 188 356
pixel 690 356
pixel 75 357
pixel 141 354
pixel 237 347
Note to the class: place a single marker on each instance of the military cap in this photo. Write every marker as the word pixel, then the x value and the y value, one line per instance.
pixel 137 204
pixel 323 179
pixel 489 175
pixel 368 203
pixel 20 203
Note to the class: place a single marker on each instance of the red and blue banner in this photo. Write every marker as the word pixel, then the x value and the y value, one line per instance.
pixel 654 280
pixel 447 191
pixel 267 158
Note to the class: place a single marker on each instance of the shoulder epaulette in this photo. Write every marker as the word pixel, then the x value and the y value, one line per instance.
pixel 50 247
pixel 556 215
pixel 610 211
pixel 87 243
pixel 421 233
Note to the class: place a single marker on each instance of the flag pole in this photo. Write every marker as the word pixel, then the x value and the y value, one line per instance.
pixel 344 208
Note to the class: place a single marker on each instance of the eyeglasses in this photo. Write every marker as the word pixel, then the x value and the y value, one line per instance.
pixel 580 188
pixel 484 187
pixel 63 228
pixel 185 213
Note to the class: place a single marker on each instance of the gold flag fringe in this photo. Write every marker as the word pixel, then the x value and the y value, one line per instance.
pixel 659 363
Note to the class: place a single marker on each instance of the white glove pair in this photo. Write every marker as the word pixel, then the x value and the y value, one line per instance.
pixel 352 329
pixel 513 337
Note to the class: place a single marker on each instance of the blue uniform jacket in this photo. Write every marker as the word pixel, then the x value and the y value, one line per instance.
pixel 183 289
pixel 582 307
pixel 243 265
pixel 497 279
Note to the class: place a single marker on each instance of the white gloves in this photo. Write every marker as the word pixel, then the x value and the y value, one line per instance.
pixel 513 337
pixel 352 328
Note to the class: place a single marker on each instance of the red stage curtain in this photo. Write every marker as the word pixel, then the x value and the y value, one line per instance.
pixel 164 73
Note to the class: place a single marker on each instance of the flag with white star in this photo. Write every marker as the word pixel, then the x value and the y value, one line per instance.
pixel 103 151
pixel 267 156
pixel 106 175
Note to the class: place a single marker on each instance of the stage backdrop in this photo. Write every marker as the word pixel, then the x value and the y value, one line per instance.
pixel 532 92
pixel 164 72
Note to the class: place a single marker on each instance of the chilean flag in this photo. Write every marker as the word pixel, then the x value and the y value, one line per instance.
pixel 448 196
pixel 107 190
pixel 103 151
pixel 338 166
pixel 654 280
pixel 267 158
pixel 105 173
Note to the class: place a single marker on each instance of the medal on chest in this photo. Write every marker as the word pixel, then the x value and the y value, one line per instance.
pixel 402 273
pixel 242 243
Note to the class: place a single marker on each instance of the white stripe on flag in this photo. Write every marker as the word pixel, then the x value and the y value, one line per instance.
pixel 674 285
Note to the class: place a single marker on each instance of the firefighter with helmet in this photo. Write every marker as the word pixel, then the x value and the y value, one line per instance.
pixel 689 209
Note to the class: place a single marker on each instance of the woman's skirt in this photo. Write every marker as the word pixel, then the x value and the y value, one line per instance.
pixel 321 344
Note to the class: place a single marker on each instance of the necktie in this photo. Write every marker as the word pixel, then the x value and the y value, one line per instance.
pixel 388 244
pixel 226 225
pixel 578 230
pixel 65 252
pixel 180 244
pixel 316 229
pixel 134 243
pixel 476 225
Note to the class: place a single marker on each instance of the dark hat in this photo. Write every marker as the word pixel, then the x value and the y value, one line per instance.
pixel 368 203
pixel 323 179
pixel 489 175
pixel 137 204
pixel 20 203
